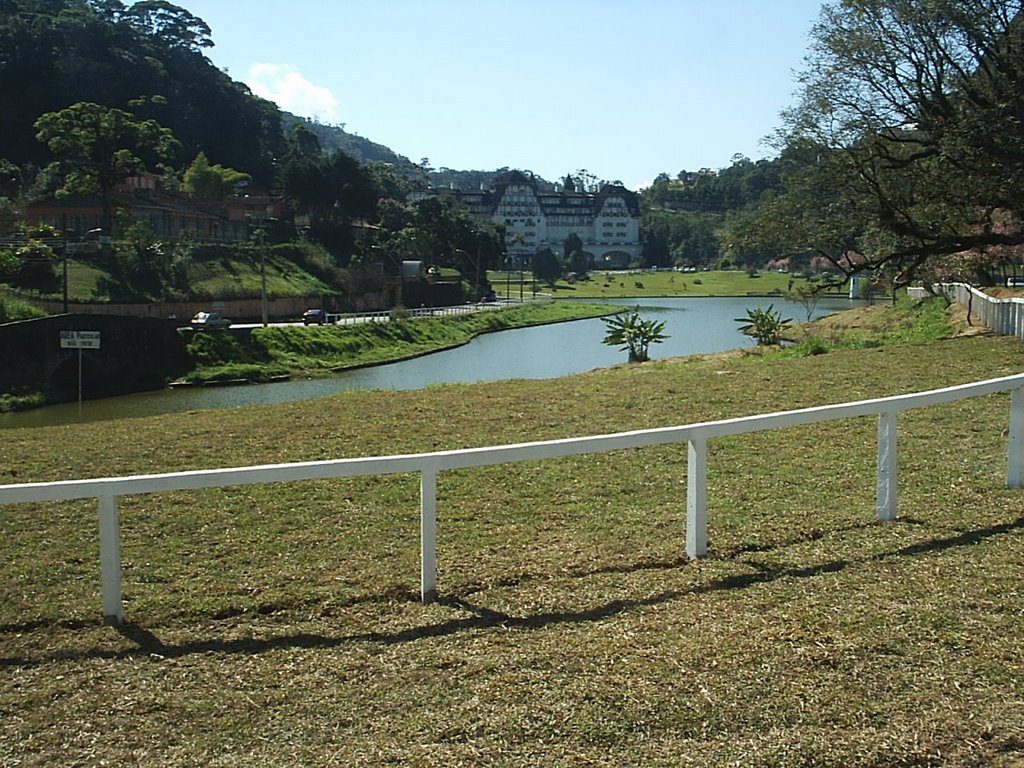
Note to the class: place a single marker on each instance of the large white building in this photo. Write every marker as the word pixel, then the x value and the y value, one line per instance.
pixel 607 222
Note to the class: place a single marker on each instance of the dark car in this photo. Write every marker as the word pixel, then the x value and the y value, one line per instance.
pixel 314 317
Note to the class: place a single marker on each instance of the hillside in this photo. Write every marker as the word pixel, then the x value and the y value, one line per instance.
pixel 71 51
pixel 335 137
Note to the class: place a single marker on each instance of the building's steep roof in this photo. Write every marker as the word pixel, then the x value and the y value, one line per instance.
pixel 631 199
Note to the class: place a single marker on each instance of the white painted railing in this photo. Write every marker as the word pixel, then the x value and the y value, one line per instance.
pixel 1003 316
pixel 428 465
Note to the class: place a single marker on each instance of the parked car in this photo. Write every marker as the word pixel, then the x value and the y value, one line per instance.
pixel 209 321
pixel 314 317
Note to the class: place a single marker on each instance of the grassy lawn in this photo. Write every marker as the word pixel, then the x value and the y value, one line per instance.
pixel 83 280
pixel 619 285
pixel 240 275
pixel 279 625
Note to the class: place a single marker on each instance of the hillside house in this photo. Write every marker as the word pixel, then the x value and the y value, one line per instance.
pixel 171 215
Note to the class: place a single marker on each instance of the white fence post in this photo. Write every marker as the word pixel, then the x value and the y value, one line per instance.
pixel 886 482
pixel 428 535
pixel 107 490
pixel 110 560
pixel 1015 452
pixel 697 498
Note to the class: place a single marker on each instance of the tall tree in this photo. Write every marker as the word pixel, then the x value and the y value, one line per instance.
pixel 204 180
pixel 96 147
pixel 330 192
pixel 172 25
pixel 546 266
pixel 913 116
pixel 574 258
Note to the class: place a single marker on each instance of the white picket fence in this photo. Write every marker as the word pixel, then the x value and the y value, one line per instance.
pixel 1003 316
pixel 428 465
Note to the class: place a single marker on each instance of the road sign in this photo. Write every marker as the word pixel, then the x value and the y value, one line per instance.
pixel 80 339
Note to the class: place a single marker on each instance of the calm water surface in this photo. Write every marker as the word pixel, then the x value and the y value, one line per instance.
pixel 696 326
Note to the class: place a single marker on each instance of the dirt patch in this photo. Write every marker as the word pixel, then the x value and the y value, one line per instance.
pixel 964 326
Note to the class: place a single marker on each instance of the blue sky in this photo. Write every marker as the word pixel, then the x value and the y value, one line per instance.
pixel 624 89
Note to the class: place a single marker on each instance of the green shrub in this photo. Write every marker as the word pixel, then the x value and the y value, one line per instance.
pixel 12 309
pixel 811 346
pixel 765 325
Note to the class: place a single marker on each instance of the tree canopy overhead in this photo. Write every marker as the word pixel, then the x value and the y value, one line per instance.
pixel 909 132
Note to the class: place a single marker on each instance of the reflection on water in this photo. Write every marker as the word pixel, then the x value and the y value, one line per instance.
pixel 695 326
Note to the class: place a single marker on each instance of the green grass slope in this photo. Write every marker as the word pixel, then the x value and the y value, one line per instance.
pixel 663 283
pixel 279 625
pixel 319 350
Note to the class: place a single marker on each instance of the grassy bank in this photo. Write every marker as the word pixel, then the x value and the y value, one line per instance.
pixel 278 625
pixel 615 285
pixel 313 350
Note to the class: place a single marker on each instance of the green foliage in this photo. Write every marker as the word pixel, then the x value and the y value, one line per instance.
pixel 909 321
pixel 810 347
pixel 204 180
pixel 330 192
pixel 573 256
pixel 21 401
pixel 31 262
pixel 110 53
pixel 546 267
pixel 97 146
pixel 439 233
pixel 633 334
pixel 765 325
pixel 13 308
pixel 683 238
pixel 170 24
pixel 684 218
pixel 898 98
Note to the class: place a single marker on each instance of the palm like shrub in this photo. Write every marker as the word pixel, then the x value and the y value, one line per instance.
pixel 765 325
pixel 633 334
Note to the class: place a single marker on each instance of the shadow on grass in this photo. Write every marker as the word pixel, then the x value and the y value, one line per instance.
pixel 482 618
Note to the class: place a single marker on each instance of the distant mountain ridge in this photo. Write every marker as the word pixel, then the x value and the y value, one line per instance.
pixel 335 137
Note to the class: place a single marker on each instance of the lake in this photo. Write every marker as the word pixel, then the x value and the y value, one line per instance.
pixel 695 326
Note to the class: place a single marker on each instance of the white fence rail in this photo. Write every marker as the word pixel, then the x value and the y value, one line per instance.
pixel 1003 316
pixel 428 465
pixel 385 316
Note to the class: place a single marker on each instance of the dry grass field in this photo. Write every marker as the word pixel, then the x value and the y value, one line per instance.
pixel 280 625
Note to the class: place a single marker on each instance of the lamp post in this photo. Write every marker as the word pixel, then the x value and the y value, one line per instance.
pixel 78 249
pixel 508 276
pixel 387 256
pixel 466 257
pixel 264 304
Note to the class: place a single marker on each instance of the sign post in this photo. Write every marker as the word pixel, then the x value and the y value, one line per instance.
pixel 80 340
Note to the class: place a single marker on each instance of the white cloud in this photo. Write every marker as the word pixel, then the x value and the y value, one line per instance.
pixel 286 87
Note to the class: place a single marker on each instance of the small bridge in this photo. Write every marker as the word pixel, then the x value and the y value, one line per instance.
pixel 135 354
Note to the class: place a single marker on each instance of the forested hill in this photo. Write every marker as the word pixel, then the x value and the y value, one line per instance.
pixel 333 137
pixel 54 53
